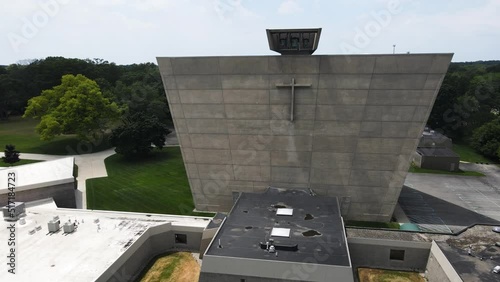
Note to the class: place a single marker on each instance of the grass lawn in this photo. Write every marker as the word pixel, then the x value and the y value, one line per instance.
pixel 21 162
pixel 381 275
pixel 416 169
pixel 174 267
pixel 21 133
pixel 467 154
pixel 157 184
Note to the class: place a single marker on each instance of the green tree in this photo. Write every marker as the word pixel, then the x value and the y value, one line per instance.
pixel 140 89
pixel 137 135
pixel 486 139
pixel 76 106
pixel 11 155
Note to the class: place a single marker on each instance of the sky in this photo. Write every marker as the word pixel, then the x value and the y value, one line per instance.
pixel 138 31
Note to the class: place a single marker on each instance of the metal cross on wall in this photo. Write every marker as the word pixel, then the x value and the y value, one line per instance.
pixel 292 85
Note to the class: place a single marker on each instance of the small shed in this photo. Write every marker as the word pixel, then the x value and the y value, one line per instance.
pixel 437 158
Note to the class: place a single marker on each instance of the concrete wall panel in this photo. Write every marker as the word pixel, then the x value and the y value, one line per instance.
pixel 249 126
pixel 294 64
pixel 330 176
pixel 252 96
pixel 336 144
pixel 403 64
pixel 290 158
pixel 250 157
pixel 354 130
pixel 290 174
pixel 297 127
pixel 329 160
pixel 340 113
pixel 347 64
pixel 206 126
pixel 398 81
pixel 206 156
pixel 63 194
pixel 252 173
pixel 336 128
pixel 215 171
pixel 345 81
pixel 243 65
pixel 415 254
pixel 245 82
pixel 198 82
pixel 203 111
pixel 303 96
pixel 200 96
pixel 209 141
pixel 234 111
pixel 291 143
pixel 195 65
pixel 341 97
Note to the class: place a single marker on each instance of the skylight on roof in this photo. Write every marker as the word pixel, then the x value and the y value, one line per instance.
pixel 280 232
pixel 284 211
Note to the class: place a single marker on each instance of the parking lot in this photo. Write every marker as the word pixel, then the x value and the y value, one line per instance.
pixel 444 203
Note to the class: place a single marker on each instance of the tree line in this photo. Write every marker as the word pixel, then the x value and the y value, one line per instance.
pixel 468 105
pixel 89 98
pixel 136 85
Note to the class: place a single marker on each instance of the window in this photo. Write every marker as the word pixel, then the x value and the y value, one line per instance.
pixel 180 238
pixel 397 255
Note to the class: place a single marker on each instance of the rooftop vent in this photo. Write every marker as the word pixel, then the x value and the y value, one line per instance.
pixel 69 227
pixel 53 226
pixel 14 211
pixel 280 232
pixel 284 211
pixel 281 247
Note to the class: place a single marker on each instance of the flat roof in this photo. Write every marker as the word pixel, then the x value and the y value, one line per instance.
pixel 317 233
pixel 84 254
pixel 437 152
pixel 478 266
pixel 40 174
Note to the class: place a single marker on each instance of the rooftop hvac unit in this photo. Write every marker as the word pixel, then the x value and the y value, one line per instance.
pixel 13 211
pixel 69 227
pixel 53 225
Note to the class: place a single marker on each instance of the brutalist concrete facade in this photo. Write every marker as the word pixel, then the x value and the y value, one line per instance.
pixel 356 122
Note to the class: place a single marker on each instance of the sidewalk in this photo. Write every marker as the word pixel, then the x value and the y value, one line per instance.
pixel 89 166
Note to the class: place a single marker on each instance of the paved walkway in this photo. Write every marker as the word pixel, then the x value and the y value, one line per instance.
pixel 89 166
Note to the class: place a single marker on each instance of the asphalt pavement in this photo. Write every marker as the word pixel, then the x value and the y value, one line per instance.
pixel 450 203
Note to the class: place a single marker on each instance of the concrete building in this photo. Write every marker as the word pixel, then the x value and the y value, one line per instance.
pixel 118 246
pixel 36 181
pixel 277 236
pixel 435 151
pixel 104 245
pixel 341 125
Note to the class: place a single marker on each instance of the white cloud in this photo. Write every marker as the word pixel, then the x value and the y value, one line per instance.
pixel 289 7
